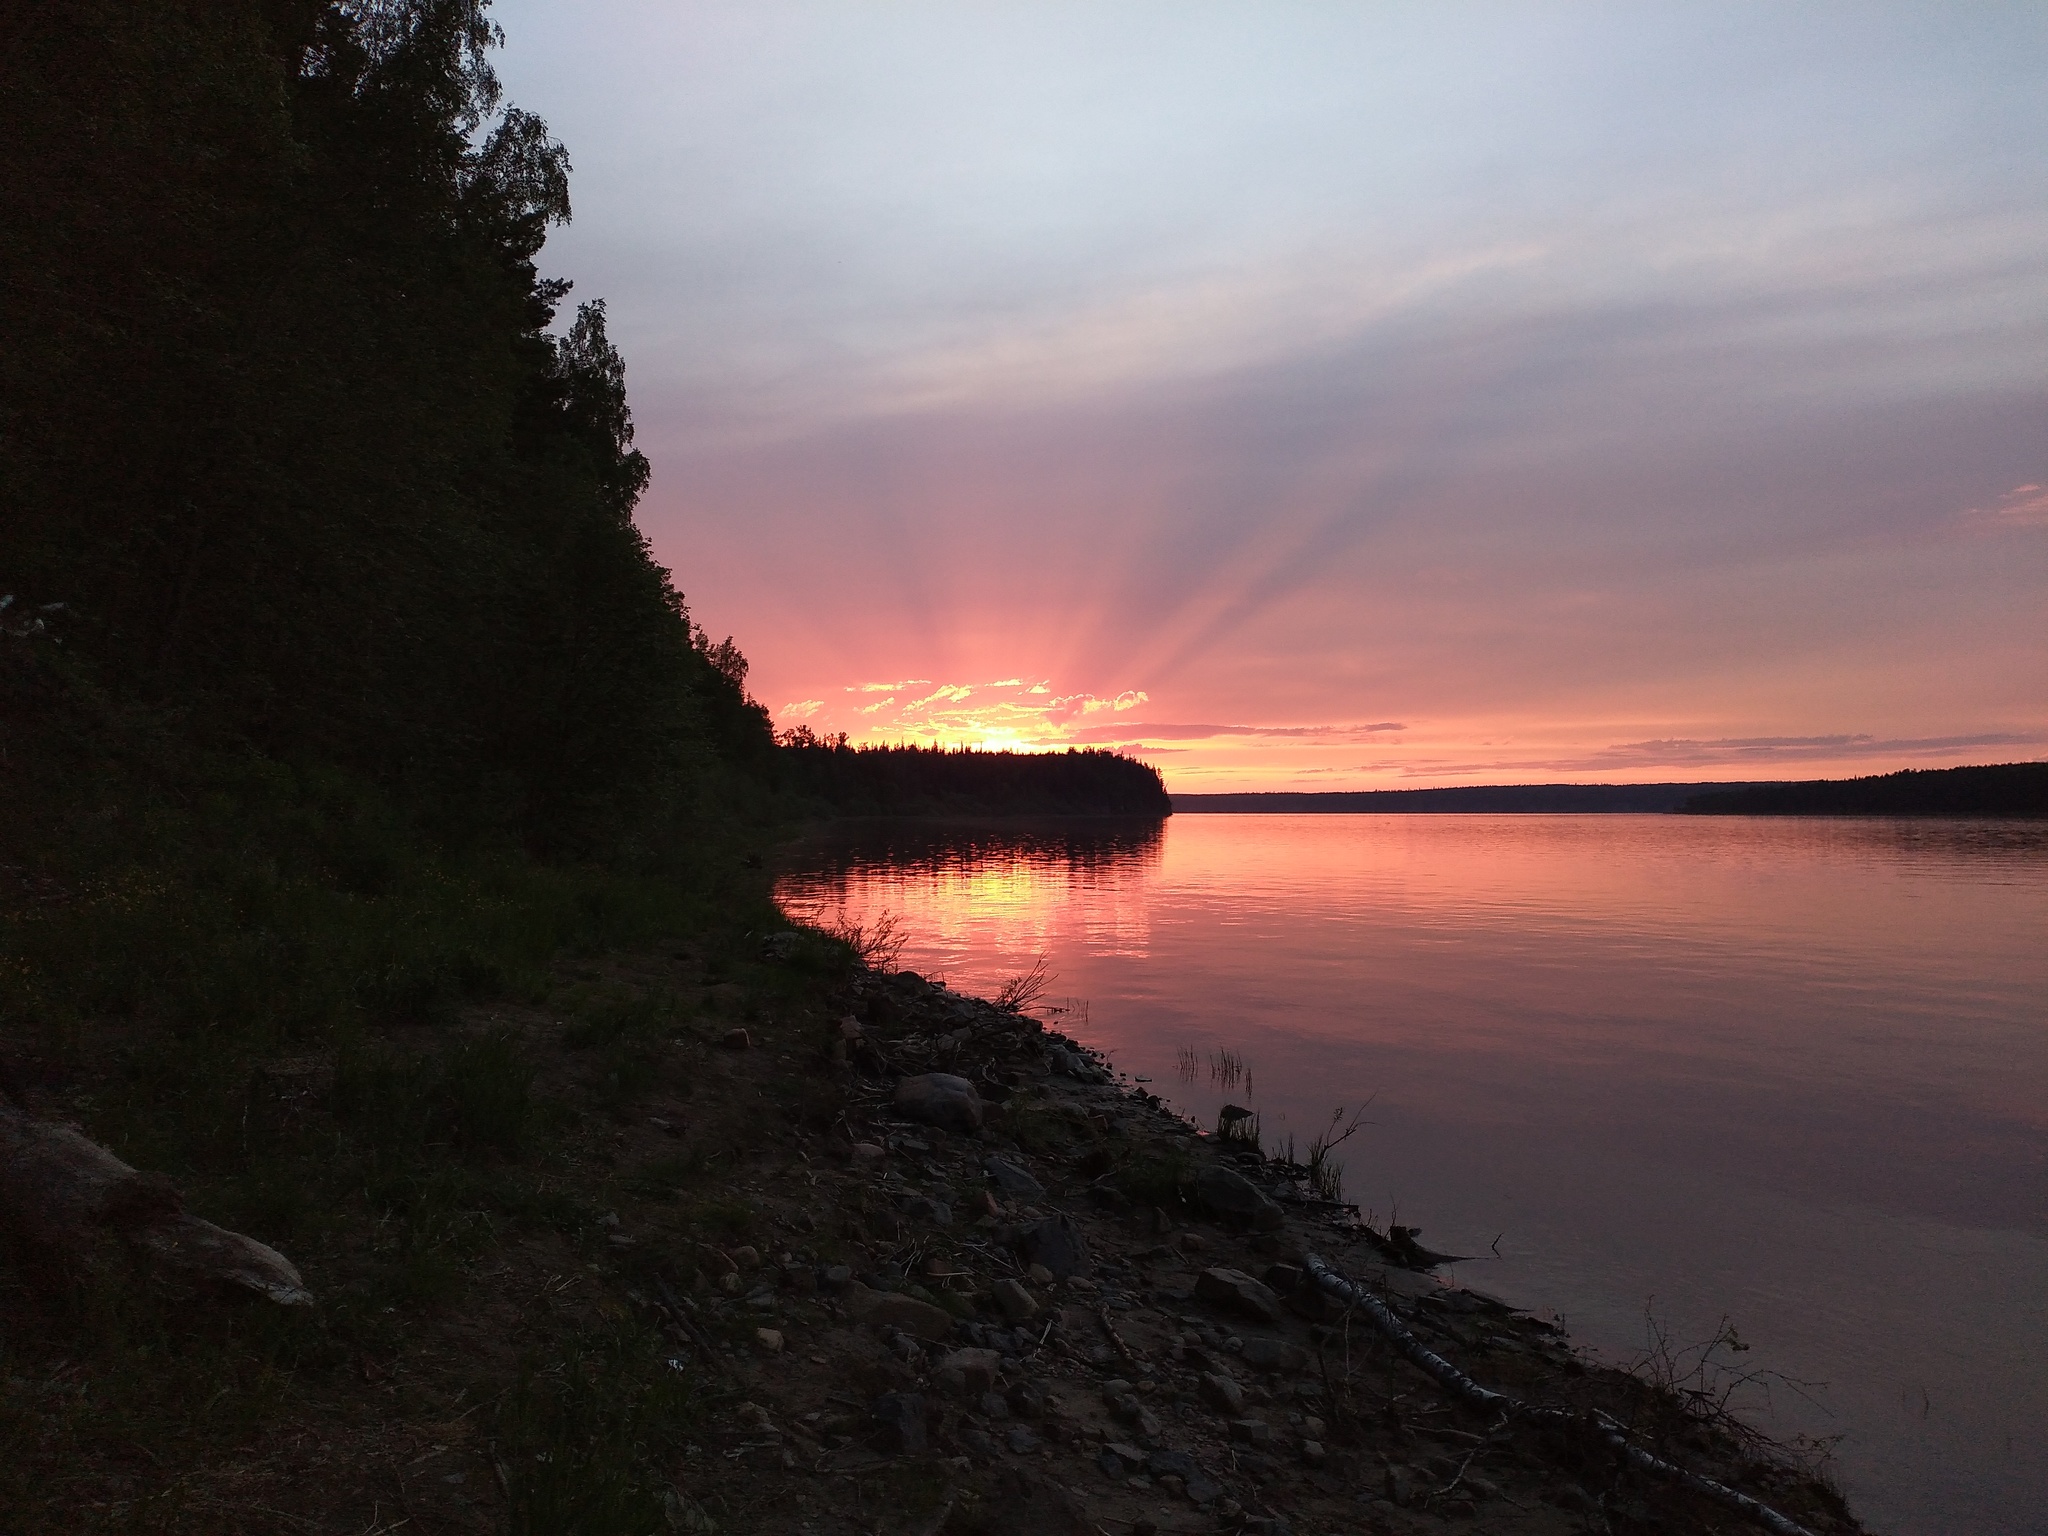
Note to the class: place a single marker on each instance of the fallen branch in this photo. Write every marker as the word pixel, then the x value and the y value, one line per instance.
pixel 62 1195
pixel 1597 1425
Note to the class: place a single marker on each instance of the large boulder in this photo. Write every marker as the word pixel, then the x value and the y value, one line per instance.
pixel 1230 1196
pixel 941 1099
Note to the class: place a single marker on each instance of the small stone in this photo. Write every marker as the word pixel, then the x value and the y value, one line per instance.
pixel 1251 1431
pixel 1282 1278
pixel 1015 1303
pixel 837 1278
pixel 992 1405
pixel 900 1427
pixel 886 1309
pixel 1313 1453
pixel 1021 1440
pixel 941 1099
pixel 967 1373
pixel 1038 1274
pixel 1274 1355
pixel 736 1040
pixel 1222 1394
pixel 1312 1427
pixel 1012 1180
pixel 1056 1245
pixel 769 1339
pixel 746 1258
pixel 924 1208
pixel 867 1155
pixel 1235 1289
pixel 1197 1484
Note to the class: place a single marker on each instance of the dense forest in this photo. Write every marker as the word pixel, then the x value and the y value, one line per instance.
pixel 302 459
pixel 2004 789
pixel 844 780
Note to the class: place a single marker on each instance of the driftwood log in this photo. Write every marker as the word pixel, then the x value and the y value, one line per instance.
pixel 64 1196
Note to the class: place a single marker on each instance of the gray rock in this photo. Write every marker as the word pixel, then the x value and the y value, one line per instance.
pixel 1021 1440
pixel 1235 1289
pixel 1111 1465
pixel 1274 1355
pixel 837 1279
pixel 1235 1198
pixel 899 1424
pixel 1251 1431
pixel 885 1309
pixel 1016 1303
pixel 923 1208
pixel 1199 1486
pixel 941 1099
pixel 1222 1394
pixel 967 1372
pixel 992 1405
pixel 1056 1244
pixel 1013 1181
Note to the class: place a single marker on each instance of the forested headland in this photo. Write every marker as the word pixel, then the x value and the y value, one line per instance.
pixel 844 780
pixel 2002 789
pixel 381 876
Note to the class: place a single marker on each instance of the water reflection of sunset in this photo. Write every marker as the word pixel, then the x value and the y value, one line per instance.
pixel 1642 1051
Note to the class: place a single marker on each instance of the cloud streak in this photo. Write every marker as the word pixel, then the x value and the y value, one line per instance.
pixel 1595 392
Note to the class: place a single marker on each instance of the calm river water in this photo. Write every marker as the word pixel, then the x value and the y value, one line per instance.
pixel 1789 1072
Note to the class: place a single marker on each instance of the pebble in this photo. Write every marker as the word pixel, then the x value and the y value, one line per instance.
pixel 736 1040
pixel 769 1339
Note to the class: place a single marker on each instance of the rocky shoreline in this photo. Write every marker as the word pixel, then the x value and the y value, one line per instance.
pixel 788 1245
pixel 1079 1314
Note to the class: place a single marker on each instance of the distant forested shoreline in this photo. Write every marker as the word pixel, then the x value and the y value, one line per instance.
pixel 2004 789
pixel 845 780
pixel 1461 799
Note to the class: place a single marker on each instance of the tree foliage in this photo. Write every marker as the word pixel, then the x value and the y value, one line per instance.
pixel 285 428
pixel 918 781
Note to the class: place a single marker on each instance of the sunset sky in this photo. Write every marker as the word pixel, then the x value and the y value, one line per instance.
pixel 1339 396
